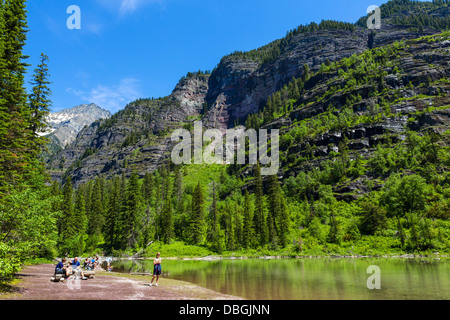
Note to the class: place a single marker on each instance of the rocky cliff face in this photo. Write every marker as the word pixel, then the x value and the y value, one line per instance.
pixel 239 87
pixel 416 92
pixel 138 137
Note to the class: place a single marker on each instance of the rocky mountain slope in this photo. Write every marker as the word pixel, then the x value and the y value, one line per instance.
pixel 138 137
pixel 401 88
pixel 67 123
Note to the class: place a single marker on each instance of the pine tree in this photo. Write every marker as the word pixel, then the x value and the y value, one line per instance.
pixel 306 73
pixel 147 187
pixel 39 99
pixel 177 192
pixel 230 229
pixel 283 231
pixel 277 220
pixel 96 217
pixel 177 184
pixel 259 218
pixel 273 200
pixel 197 215
pixel 80 219
pixel 132 207
pixel 122 216
pixel 87 198
pixel 296 90
pixel 67 210
pixel 167 221
pixel 238 231
pixel 213 215
pixel 333 234
pixel 77 241
pixel 112 216
pixel 247 232
pixel 17 149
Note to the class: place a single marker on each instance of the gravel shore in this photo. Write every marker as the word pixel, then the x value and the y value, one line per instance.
pixel 35 284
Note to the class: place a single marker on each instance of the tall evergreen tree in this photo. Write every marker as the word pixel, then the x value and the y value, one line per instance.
pixel 112 215
pixel 80 218
pixel 97 211
pixel 132 204
pixel 67 212
pixel 213 219
pixel 147 187
pixel 230 231
pixel 39 99
pixel 247 232
pixel 177 190
pixel 197 215
pixel 77 244
pixel 167 220
pixel 16 145
pixel 306 73
pixel 122 215
pixel 238 231
pixel 259 217
pixel 273 200
pixel 284 222
pixel 177 194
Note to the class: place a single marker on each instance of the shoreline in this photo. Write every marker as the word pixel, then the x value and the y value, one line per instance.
pixel 435 256
pixel 33 283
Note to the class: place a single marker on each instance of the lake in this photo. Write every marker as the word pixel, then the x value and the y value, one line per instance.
pixel 309 278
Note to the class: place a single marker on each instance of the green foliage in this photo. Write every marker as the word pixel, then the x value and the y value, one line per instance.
pixel 403 195
pixel 197 215
pixel 273 50
pixel 27 226
pixel 400 10
pixel 39 99
pixel 199 73
pixel 224 209
pixel 373 218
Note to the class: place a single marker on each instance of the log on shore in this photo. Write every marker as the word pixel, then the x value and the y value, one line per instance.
pixel 141 274
pixel 87 273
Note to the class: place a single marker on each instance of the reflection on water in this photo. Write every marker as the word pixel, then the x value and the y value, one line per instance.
pixel 308 279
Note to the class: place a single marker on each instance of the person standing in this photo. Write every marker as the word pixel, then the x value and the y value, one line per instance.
pixel 156 269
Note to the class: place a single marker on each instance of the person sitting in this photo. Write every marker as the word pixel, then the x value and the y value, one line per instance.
pixel 93 263
pixel 87 264
pixel 61 269
pixel 76 266
pixel 69 268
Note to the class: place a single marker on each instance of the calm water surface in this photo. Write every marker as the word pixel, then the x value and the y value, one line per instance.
pixel 304 279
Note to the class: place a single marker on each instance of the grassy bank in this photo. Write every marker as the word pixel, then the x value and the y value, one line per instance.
pixel 368 246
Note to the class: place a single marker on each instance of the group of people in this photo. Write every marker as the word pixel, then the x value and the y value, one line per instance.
pixel 91 263
pixel 74 266
pixel 68 267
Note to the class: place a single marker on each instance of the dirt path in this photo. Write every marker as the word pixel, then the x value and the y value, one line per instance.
pixel 35 284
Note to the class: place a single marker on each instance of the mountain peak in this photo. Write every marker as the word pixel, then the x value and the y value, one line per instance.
pixel 66 124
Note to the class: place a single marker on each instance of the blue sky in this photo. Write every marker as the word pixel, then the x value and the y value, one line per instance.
pixel 129 49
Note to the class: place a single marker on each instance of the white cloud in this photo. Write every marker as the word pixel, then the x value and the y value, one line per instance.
pixel 127 6
pixel 113 97
pixel 93 27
